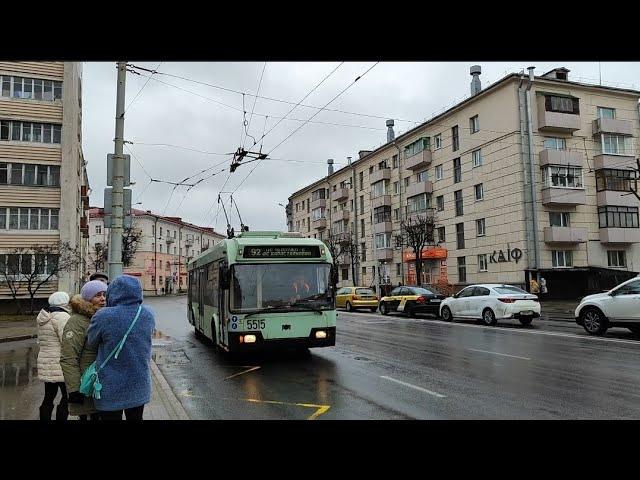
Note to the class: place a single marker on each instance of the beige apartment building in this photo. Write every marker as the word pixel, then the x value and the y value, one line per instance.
pixel 165 247
pixel 529 177
pixel 43 178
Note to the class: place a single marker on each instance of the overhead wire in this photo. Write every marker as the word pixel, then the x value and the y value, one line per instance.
pixel 141 89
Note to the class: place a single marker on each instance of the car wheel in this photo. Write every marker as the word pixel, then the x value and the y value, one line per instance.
pixel 409 311
pixel 349 307
pixel 635 329
pixel 526 321
pixel 446 314
pixel 488 317
pixel 594 321
pixel 384 309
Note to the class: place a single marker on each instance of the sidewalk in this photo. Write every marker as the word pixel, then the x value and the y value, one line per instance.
pixel 561 310
pixel 22 392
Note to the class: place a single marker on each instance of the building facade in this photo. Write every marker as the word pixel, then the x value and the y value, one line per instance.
pixel 165 246
pixel 44 189
pixel 530 177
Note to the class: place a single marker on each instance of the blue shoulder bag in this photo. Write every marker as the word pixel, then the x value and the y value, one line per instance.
pixel 90 382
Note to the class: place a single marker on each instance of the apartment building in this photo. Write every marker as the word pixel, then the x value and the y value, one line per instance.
pixel 165 247
pixel 43 179
pixel 528 177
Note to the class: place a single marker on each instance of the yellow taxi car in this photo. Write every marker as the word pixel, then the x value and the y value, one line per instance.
pixel 411 300
pixel 352 298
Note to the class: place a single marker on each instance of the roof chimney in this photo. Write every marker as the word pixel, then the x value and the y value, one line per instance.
pixel 330 164
pixel 391 135
pixel 363 153
pixel 531 75
pixel 349 160
pixel 476 86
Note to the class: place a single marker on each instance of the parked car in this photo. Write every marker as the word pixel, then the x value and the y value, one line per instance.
pixel 490 303
pixel 411 300
pixel 353 298
pixel 619 307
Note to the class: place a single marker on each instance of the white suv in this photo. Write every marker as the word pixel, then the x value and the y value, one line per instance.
pixel 619 307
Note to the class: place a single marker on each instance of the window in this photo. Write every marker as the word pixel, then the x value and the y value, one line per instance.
pixel 26 131
pixel 476 156
pixel 29 132
pixel 554 103
pixel 561 258
pixel 98 229
pixel 6 86
pixel 605 112
pixel 559 219
pixel 362 228
pixel 441 235
pixel 364 271
pixel 418 203
pixel 383 240
pixel 480 227
pixel 422 176
pixel 5 127
pixel 54 176
pixel 318 213
pixel 439 173
pixel 460 235
pixel 361 177
pixel 474 124
pixel 42 175
pixel 303 222
pixel 338 227
pixel 616 180
pixel 455 141
pixel 618 217
pixel 558 176
pixel 482 263
pixel 440 203
pixel 363 252
pixel 370 169
pixel 318 195
pixel 616 258
pixel 379 188
pixel 345 274
pixel 479 192
pixel 160 248
pixel 396 214
pixel 397 269
pixel 555 143
pixel 362 205
pixel 3 220
pixel 396 188
pixel 616 144
pixel 395 161
pixel 437 141
pixel 459 205
pixel 416 147
pixel 462 270
pixel 457 170
pixel 406 182
pixel 351 205
pixel 29 218
pixel 382 214
pixel 382 165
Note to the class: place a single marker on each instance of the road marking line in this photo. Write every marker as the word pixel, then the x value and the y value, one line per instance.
pixel 496 353
pixel 435 394
pixel 320 408
pixel 242 373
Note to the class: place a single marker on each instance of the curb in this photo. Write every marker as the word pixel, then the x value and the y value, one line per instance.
pixel 18 338
pixel 174 402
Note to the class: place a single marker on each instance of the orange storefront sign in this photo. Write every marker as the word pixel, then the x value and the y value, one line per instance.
pixel 429 253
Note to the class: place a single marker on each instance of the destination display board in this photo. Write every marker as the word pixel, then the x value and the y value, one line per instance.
pixel 281 251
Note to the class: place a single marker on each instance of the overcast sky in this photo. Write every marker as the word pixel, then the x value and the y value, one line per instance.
pixel 168 115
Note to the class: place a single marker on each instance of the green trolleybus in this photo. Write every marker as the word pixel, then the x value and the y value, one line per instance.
pixel 263 289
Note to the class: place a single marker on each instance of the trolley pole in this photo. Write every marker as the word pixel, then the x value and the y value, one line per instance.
pixel 115 235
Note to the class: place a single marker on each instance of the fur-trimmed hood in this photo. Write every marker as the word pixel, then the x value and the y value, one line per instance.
pixel 81 306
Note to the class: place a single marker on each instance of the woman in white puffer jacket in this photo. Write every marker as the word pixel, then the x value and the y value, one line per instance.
pixel 50 327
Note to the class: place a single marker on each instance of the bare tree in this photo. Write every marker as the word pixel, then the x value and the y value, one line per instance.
pixel 31 268
pixel 343 246
pixel 131 237
pixel 98 257
pixel 418 232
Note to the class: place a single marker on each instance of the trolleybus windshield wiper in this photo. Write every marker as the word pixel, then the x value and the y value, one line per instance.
pixel 306 306
pixel 264 310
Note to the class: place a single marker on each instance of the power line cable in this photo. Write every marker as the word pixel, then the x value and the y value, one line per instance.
pixel 140 91
pixel 255 99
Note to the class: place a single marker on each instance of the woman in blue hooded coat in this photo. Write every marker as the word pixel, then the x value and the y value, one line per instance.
pixel 126 380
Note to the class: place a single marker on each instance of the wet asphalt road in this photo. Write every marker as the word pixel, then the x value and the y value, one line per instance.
pixel 398 368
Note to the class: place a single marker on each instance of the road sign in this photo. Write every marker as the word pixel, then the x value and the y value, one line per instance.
pixel 127 169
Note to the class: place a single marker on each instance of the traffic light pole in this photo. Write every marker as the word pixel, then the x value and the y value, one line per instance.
pixel 115 234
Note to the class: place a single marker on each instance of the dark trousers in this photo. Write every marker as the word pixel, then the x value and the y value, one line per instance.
pixel 131 414
pixel 50 392
pixel 92 417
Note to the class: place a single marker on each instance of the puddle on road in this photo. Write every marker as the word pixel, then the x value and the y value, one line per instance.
pixel 18 373
pixel 159 339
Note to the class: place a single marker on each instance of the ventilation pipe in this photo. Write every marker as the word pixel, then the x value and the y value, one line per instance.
pixel 476 86
pixel 330 166
pixel 391 135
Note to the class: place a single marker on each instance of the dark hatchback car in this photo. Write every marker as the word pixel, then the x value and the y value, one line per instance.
pixel 411 300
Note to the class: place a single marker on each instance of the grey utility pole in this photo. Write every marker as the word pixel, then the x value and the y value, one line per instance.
pixel 115 236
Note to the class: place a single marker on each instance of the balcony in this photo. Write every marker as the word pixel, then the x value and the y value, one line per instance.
pixel 344 260
pixel 614 161
pixel 417 216
pixel 419 160
pixel 384 254
pixel 318 203
pixel 620 235
pixel 170 240
pixel 381 201
pixel 612 125
pixel 561 157
pixel 556 121
pixel 342 238
pixel 612 197
pixel 420 188
pixel 377 175
pixel 343 214
pixel 319 224
pixel 382 227
pixel 565 235
pixel 340 194
pixel 563 196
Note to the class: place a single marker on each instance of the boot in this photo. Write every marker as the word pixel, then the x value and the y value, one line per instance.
pixel 62 412
pixel 45 412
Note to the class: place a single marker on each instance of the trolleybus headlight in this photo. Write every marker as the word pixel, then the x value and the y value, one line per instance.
pixel 321 334
pixel 248 339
